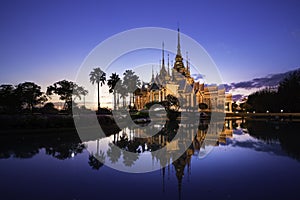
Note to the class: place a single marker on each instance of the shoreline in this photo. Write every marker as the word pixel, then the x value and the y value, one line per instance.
pixel 64 124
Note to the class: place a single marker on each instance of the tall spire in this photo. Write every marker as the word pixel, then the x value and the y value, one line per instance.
pixel 187 63
pixel 163 55
pixel 178 43
pixel 168 65
pixel 152 79
pixel 159 65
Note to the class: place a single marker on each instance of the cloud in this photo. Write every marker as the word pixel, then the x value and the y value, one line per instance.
pixel 197 77
pixel 241 89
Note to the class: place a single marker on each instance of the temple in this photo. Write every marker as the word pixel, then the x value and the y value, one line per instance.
pixel 179 83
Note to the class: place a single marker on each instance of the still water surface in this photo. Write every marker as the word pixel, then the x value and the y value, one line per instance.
pixel 248 160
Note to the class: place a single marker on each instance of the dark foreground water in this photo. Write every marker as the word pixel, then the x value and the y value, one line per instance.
pixel 249 160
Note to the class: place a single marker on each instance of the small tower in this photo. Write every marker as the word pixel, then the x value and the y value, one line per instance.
pixel 152 79
pixel 168 65
pixel 178 65
pixel 188 73
pixel 163 71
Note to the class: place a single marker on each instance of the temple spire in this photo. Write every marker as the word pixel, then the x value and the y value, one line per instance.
pixel 159 64
pixel 168 65
pixel 178 43
pixel 187 63
pixel 163 55
pixel 152 79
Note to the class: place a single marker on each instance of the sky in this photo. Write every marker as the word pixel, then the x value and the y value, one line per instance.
pixel 47 41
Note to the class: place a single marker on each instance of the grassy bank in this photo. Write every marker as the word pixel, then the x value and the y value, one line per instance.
pixel 50 124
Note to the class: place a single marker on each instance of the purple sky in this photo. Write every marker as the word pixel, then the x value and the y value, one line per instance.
pixel 46 41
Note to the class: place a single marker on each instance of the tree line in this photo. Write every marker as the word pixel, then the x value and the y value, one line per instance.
pixel 285 98
pixel 120 88
pixel 25 97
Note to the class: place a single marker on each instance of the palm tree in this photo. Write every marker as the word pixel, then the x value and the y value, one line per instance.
pixel 121 89
pixel 82 91
pixel 132 82
pixel 112 83
pixel 98 76
pixel 114 153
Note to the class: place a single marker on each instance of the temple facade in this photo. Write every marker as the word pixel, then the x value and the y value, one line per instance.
pixel 179 83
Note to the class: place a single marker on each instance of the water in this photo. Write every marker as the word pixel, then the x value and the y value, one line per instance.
pixel 248 160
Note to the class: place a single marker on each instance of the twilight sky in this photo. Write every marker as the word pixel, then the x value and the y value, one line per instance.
pixel 46 41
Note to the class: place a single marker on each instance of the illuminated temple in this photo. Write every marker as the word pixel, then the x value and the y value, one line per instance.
pixel 179 83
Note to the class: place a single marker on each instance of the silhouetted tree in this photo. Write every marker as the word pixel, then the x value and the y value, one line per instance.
pixel 49 108
pixel 289 92
pixel 98 76
pixel 65 89
pixel 131 81
pixel 263 100
pixel 83 92
pixel 29 94
pixel 122 91
pixel 172 103
pixel 245 106
pixel 203 106
pixel 8 99
pixel 234 106
pixel 112 83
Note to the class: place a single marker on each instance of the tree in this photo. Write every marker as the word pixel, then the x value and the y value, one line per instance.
pixel 95 162
pixel 245 106
pixel 121 89
pixel 234 106
pixel 288 92
pixel 99 77
pixel 65 89
pixel 114 153
pixel 112 83
pixel 203 106
pixel 8 99
pixel 49 108
pixel 83 92
pixel 263 100
pixel 29 94
pixel 172 103
pixel 131 81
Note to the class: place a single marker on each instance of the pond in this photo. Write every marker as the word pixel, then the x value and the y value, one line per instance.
pixel 246 159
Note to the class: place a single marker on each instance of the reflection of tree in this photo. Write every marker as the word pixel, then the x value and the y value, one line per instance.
pixel 286 133
pixel 114 153
pixel 171 129
pixel 65 150
pixel 25 152
pixel 129 158
pixel 27 146
pixel 96 161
